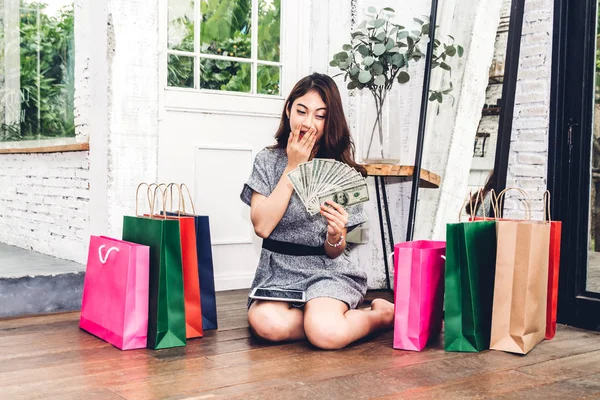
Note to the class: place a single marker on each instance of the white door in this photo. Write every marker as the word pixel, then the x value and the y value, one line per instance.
pixel 225 81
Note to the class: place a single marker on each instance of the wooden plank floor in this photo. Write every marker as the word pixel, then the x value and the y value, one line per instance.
pixel 49 357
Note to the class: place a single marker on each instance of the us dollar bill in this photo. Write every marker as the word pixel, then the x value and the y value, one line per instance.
pixel 347 196
pixel 296 180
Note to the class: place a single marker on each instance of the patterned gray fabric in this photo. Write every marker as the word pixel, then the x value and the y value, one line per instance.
pixel 487 206
pixel 319 276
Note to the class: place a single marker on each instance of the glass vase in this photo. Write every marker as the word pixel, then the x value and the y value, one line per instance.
pixel 379 142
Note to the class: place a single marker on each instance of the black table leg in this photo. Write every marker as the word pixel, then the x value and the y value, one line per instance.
pixel 387 214
pixel 379 180
pixel 386 210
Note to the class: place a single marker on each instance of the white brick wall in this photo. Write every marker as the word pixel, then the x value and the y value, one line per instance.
pixel 44 202
pixel 45 197
pixel 51 202
pixel 529 139
pixel 133 103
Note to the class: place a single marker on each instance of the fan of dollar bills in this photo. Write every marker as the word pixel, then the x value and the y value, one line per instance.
pixel 322 179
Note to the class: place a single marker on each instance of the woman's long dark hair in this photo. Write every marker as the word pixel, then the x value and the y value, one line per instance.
pixel 336 142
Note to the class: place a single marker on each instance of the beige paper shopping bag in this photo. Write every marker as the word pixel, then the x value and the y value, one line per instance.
pixel 520 288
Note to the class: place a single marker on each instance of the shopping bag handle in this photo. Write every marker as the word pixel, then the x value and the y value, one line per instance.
pixel 181 187
pixel 179 197
pixel 169 196
pixel 181 206
pixel 137 193
pixel 547 206
pixel 151 194
pixel 164 200
pixel 105 258
pixel 163 188
pixel 525 198
pixel 467 200
pixel 481 196
pixel 473 207
pixel 169 188
pixel 493 199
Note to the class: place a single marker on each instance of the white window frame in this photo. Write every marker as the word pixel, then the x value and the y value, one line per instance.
pixel 252 60
pixel 295 21
pixel 79 142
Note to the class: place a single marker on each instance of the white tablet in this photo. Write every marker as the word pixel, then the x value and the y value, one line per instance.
pixel 290 296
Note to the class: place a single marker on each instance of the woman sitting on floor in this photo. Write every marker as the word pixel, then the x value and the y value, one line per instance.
pixel 313 125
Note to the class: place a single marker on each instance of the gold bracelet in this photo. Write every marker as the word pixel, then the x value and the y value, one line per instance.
pixel 338 244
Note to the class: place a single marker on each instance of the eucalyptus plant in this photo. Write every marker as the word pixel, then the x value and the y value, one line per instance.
pixel 381 52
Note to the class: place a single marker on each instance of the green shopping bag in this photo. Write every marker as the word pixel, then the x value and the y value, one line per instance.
pixel 166 311
pixel 469 285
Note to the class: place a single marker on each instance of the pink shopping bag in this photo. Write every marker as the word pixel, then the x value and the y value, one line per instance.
pixel 115 292
pixel 418 292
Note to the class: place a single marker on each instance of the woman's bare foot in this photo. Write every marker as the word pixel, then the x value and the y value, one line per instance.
pixel 386 311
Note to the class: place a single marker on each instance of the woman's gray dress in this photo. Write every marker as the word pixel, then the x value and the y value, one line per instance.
pixel 319 276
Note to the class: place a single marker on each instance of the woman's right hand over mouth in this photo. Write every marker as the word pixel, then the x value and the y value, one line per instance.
pixel 299 148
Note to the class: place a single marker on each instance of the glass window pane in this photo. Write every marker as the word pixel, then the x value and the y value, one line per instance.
pixel 269 17
pixel 38 67
pixel 225 75
pixel 181 25
pixel 268 80
pixel 225 28
pixel 180 71
pixel 593 269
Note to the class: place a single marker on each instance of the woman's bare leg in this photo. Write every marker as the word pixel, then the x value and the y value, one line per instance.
pixel 276 321
pixel 328 324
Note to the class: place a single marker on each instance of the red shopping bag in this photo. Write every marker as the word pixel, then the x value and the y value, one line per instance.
pixel 191 282
pixel 553 270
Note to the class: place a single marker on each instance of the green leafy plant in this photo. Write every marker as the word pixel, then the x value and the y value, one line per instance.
pixel 46 75
pixel 380 54
pixel 225 74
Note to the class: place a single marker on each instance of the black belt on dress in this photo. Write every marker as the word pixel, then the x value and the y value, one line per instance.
pixel 292 249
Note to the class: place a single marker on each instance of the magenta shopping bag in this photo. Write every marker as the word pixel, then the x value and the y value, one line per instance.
pixel 115 292
pixel 418 292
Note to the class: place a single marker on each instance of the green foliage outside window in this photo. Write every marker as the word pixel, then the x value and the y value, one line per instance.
pixel 227 75
pixel 46 59
pixel 225 31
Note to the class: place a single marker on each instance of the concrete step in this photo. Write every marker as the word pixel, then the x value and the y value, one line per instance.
pixel 34 283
